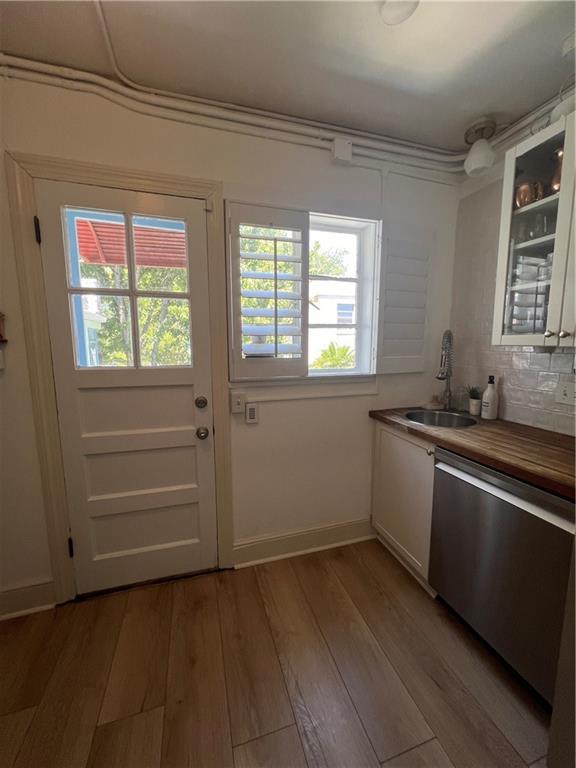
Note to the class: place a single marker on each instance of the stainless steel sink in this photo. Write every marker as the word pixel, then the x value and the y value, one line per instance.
pixel 441 418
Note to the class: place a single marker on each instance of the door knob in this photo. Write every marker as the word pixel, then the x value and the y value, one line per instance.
pixel 549 334
pixel 201 402
pixel 202 433
pixel 564 334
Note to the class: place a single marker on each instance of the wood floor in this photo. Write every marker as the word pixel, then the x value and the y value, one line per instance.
pixel 332 659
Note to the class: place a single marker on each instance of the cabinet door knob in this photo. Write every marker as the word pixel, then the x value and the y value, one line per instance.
pixel 548 334
pixel 564 334
pixel 202 433
pixel 201 402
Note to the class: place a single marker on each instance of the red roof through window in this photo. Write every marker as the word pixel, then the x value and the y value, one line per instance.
pixel 103 242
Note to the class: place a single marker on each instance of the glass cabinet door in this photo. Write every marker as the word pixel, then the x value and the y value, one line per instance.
pixel 537 182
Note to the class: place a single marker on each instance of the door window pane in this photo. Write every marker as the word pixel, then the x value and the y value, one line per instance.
pixel 160 254
pixel 164 330
pixel 102 330
pixel 96 245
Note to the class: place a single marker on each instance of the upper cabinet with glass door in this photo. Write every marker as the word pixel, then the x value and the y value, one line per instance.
pixel 533 283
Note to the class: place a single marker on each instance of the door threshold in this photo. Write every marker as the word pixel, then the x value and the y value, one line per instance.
pixel 147 583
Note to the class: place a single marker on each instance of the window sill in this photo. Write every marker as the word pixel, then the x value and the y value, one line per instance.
pixel 277 390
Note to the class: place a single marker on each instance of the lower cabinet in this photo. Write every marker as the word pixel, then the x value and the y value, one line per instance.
pixel 402 486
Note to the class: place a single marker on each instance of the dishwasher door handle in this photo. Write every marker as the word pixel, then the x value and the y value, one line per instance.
pixel 500 493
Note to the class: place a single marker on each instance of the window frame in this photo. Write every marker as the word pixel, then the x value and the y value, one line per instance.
pixel 274 370
pixel 257 369
pixel 130 291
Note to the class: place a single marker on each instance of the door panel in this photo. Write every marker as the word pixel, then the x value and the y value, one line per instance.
pixel 127 292
pixel 402 506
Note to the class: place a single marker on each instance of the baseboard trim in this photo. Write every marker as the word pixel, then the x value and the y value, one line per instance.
pixel 261 549
pixel 24 600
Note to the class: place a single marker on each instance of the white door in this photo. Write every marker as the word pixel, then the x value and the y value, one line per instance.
pixel 127 292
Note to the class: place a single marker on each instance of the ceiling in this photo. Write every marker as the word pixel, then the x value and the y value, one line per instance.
pixel 425 80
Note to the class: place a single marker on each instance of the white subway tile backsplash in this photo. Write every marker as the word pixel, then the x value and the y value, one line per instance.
pixel 565 424
pixel 548 381
pixel 544 419
pixel 562 363
pixel 522 379
pixel 513 395
pixel 521 360
pixel 535 399
pixel 527 376
pixel 540 361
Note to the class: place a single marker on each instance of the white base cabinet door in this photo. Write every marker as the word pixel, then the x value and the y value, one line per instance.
pixel 403 482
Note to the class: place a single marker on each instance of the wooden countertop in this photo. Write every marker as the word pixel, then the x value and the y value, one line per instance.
pixel 541 458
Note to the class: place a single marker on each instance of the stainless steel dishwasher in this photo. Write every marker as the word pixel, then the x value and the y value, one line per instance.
pixel 500 557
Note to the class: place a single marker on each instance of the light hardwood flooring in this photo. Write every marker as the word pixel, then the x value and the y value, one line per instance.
pixel 337 658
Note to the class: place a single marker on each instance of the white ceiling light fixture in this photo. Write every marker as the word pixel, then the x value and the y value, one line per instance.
pixel 481 155
pixel 566 104
pixel 394 12
pixel 563 108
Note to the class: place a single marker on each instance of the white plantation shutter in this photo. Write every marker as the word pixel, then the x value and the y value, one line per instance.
pixel 268 250
pixel 404 305
pixel 415 290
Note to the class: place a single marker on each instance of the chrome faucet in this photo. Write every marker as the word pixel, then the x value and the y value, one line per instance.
pixel 445 372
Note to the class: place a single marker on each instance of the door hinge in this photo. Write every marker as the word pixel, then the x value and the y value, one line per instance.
pixel 70 546
pixel 37 231
pixel 208 206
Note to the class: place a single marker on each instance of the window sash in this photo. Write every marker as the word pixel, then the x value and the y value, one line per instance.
pixel 364 328
pixel 291 321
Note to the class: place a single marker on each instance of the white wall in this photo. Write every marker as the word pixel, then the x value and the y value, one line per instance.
pixel 320 474
pixel 24 556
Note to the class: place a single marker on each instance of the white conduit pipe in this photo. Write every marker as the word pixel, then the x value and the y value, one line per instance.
pixel 366 139
pixel 150 111
pixel 180 110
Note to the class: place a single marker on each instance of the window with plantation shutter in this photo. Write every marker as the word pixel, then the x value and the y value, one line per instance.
pixel 269 291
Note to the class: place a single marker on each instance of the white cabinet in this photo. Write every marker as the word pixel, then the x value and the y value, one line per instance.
pixel 534 302
pixel 567 333
pixel 402 486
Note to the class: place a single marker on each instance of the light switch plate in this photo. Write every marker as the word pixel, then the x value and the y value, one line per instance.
pixel 565 392
pixel 237 402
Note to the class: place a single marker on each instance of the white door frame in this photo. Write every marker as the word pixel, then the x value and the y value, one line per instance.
pixel 21 171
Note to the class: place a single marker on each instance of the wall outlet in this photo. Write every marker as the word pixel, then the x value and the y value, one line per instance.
pixel 237 402
pixel 251 413
pixel 565 392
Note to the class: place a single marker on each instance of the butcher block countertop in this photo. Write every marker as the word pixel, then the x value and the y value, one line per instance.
pixel 536 456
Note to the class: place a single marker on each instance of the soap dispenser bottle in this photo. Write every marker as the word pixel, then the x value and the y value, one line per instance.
pixel 490 400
